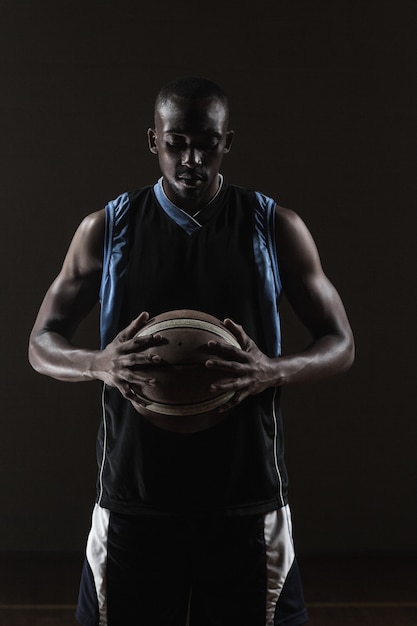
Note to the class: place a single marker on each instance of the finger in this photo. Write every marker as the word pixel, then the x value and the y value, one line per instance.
pixel 142 342
pixel 125 389
pixel 237 330
pixel 230 353
pixel 135 325
pixel 136 392
pixel 138 402
pixel 140 380
pixel 132 360
pixel 232 384
pixel 232 367
pixel 233 402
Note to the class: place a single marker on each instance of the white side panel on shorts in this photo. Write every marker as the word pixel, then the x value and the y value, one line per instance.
pixel 279 556
pixel 97 557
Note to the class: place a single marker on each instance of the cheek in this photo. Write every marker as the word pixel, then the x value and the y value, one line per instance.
pixel 214 163
pixel 167 163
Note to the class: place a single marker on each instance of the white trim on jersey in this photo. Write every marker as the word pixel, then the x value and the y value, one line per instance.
pixel 103 459
pixel 276 464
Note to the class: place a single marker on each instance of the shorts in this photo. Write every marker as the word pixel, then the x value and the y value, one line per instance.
pixel 228 571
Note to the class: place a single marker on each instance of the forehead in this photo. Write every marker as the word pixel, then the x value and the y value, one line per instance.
pixel 181 115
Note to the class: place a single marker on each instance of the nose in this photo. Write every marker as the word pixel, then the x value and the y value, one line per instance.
pixel 191 157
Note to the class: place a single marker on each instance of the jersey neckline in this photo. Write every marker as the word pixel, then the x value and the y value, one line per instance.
pixel 187 222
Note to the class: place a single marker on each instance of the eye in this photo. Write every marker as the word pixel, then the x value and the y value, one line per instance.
pixel 175 146
pixel 209 147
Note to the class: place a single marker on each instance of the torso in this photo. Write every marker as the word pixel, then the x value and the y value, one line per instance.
pixel 145 468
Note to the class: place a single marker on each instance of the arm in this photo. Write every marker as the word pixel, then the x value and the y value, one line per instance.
pixel 315 301
pixel 318 305
pixel 68 301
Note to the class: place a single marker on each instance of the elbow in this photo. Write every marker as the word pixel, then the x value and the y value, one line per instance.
pixel 348 352
pixel 33 355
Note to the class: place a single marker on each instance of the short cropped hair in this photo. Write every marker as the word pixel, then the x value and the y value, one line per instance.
pixel 192 88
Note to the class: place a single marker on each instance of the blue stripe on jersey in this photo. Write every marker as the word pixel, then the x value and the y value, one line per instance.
pixel 115 260
pixel 268 272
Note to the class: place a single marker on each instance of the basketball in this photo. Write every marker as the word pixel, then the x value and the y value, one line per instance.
pixel 182 381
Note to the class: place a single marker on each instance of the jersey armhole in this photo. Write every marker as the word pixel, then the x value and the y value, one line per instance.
pixel 266 258
pixel 115 255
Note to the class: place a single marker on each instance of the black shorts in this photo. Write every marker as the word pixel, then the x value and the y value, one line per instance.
pixel 232 571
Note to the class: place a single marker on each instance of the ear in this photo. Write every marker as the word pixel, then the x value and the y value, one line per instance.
pixel 229 138
pixel 152 141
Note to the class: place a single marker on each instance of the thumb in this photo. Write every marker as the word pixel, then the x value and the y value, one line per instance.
pixel 135 325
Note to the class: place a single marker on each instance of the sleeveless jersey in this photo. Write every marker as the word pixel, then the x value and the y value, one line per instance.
pixel 223 261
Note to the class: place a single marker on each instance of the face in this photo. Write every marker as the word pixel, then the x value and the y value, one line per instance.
pixel 190 139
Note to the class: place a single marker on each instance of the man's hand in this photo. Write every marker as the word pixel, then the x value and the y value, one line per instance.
pixel 125 363
pixel 248 371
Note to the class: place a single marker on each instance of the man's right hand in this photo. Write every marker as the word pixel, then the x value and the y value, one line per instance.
pixel 126 362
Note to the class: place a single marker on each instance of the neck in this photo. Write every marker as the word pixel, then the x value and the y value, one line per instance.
pixel 193 207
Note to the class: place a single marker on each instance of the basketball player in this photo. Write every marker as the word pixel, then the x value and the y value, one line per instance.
pixel 191 520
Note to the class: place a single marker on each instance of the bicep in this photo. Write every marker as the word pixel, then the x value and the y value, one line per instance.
pixel 311 294
pixel 75 290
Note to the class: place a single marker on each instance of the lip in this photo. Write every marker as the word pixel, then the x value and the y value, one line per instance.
pixel 190 181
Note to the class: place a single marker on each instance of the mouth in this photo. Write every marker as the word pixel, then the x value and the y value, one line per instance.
pixel 190 181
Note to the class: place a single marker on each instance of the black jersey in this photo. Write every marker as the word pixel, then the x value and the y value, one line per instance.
pixel 158 258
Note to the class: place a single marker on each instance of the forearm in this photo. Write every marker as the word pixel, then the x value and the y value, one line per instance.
pixel 53 355
pixel 326 356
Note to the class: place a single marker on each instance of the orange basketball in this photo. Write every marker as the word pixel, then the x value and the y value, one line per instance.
pixel 182 380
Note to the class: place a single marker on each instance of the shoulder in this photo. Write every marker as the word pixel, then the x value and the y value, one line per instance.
pixel 287 219
pixel 86 249
pixel 91 229
pixel 294 241
pixel 93 223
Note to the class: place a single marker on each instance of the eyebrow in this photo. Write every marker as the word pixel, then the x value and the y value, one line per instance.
pixel 177 131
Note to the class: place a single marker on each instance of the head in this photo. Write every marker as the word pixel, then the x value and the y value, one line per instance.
pixel 190 137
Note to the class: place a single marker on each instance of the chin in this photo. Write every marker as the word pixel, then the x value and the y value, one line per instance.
pixel 190 192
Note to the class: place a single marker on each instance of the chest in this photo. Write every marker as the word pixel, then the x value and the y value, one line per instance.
pixel 213 269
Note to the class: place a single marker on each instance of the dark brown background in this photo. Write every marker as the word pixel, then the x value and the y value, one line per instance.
pixel 324 106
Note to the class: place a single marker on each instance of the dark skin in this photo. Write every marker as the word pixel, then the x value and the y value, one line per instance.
pixel 190 139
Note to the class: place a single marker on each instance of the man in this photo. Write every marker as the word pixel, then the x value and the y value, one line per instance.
pixel 192 517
